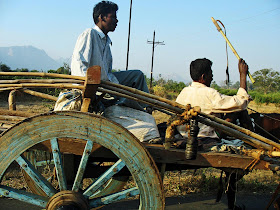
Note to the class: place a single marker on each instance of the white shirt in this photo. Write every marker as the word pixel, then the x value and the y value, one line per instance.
pixel 93 48
pixel 211 102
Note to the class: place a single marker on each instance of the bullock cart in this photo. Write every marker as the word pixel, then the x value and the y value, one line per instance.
pixel 92 157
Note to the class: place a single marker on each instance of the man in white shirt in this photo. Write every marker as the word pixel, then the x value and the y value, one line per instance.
pixel 199 93
pixel 93 48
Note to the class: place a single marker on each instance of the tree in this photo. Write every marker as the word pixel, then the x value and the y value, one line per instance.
pixel 267 80
pixel 5 68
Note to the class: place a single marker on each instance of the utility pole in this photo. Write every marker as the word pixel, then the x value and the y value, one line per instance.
pixel 154 45
pixel 128 39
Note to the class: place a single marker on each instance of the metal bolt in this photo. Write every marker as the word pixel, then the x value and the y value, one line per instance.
pixel 6 193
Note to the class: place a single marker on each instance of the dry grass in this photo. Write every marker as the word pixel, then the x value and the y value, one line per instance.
pixel 176 183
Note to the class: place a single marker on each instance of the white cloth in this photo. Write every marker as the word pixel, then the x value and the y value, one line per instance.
pixel 211 102
pixel 93 48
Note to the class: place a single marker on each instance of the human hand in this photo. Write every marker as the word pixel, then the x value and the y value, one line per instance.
pixel 243 67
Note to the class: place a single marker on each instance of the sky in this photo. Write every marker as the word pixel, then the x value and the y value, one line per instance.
pixel 185 26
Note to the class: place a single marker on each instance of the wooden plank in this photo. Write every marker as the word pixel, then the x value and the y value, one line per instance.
pixel 204 159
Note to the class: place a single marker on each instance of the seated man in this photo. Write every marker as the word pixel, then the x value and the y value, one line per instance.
pixel 199 93
pixel 93 48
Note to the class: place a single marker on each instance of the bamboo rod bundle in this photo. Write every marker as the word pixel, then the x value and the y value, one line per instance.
pixel 178 109
pixel 42 74
pixel 247 139
pixel 41 85
pixel 142 93
pixel 144 98
pixel 38 94
pixel 50 81
pixel 132 98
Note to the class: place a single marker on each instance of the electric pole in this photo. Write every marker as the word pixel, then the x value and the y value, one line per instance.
pixel 154 45
pixel 128 39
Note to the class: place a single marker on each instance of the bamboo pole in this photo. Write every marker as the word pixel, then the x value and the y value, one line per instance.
pixel 9 88
pixel 139 92
pixel 11 118
pixel 50 81
pixel 38 94
pixel 16 113
pixel 243 130
pixel 143 98
pixel 229 44
pixel 12 100
pixel 178 109
pixel 41 74
pixel 131 98
pixel 247 139
pixel 39 85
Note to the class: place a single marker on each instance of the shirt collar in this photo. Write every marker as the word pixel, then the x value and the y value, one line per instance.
pixel 197 84
pixel 102 35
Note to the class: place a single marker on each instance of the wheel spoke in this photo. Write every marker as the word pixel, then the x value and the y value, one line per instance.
pixel 23 196
pixel 104 178
pixel 58 164
pixel 125 194
pixel 36 176
pixel 82 166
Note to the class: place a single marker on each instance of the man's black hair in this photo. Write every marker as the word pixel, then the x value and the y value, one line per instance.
pixel 198 67
pixel 103 8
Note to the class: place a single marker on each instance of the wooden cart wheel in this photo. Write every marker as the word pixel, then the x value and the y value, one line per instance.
pixel 113 185
pixel 91 130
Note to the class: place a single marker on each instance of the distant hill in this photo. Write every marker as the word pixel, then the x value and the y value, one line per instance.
pixel 28 57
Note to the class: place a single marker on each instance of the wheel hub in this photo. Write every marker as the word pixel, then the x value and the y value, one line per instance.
pixel 67 200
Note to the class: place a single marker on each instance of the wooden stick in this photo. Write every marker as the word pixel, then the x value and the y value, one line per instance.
pixel 39 85
pixel 38 94
pixel 111 92
pixel 9 88
pixel 139 92
pixel 11 118
pixel 143 98
pixel 229 44
pixel 180 109
pixel 16 113
pixel 247 139
pixel 41 74
pixel 12 100
pixel 241 129
pixel 50 81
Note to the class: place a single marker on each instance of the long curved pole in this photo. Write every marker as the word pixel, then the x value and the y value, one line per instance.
pixel 229 44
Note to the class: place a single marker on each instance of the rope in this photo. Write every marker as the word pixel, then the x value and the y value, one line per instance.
pixel 227 72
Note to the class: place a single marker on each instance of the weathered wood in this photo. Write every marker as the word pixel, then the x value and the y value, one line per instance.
pixel 85 105
pixel 12 100
pixel 42 85
pixel 41 74
pixel 15 113
pixel 38 94
pixel 11 118
pixel 247 139
pixel 203 159
pixel 50 81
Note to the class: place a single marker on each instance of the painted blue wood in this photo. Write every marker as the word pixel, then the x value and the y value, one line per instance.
pixel 104 178
pixel 125 194
pixel 58 165
pixel 82 166
pixel 36 176
pixel 23 196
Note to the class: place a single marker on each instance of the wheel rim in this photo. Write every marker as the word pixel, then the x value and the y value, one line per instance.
pixel 91 129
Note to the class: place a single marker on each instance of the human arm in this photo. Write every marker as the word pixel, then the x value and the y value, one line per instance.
pixel 243 71
pixel 82 54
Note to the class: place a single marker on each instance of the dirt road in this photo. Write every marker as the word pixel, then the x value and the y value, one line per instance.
pixel 193 201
